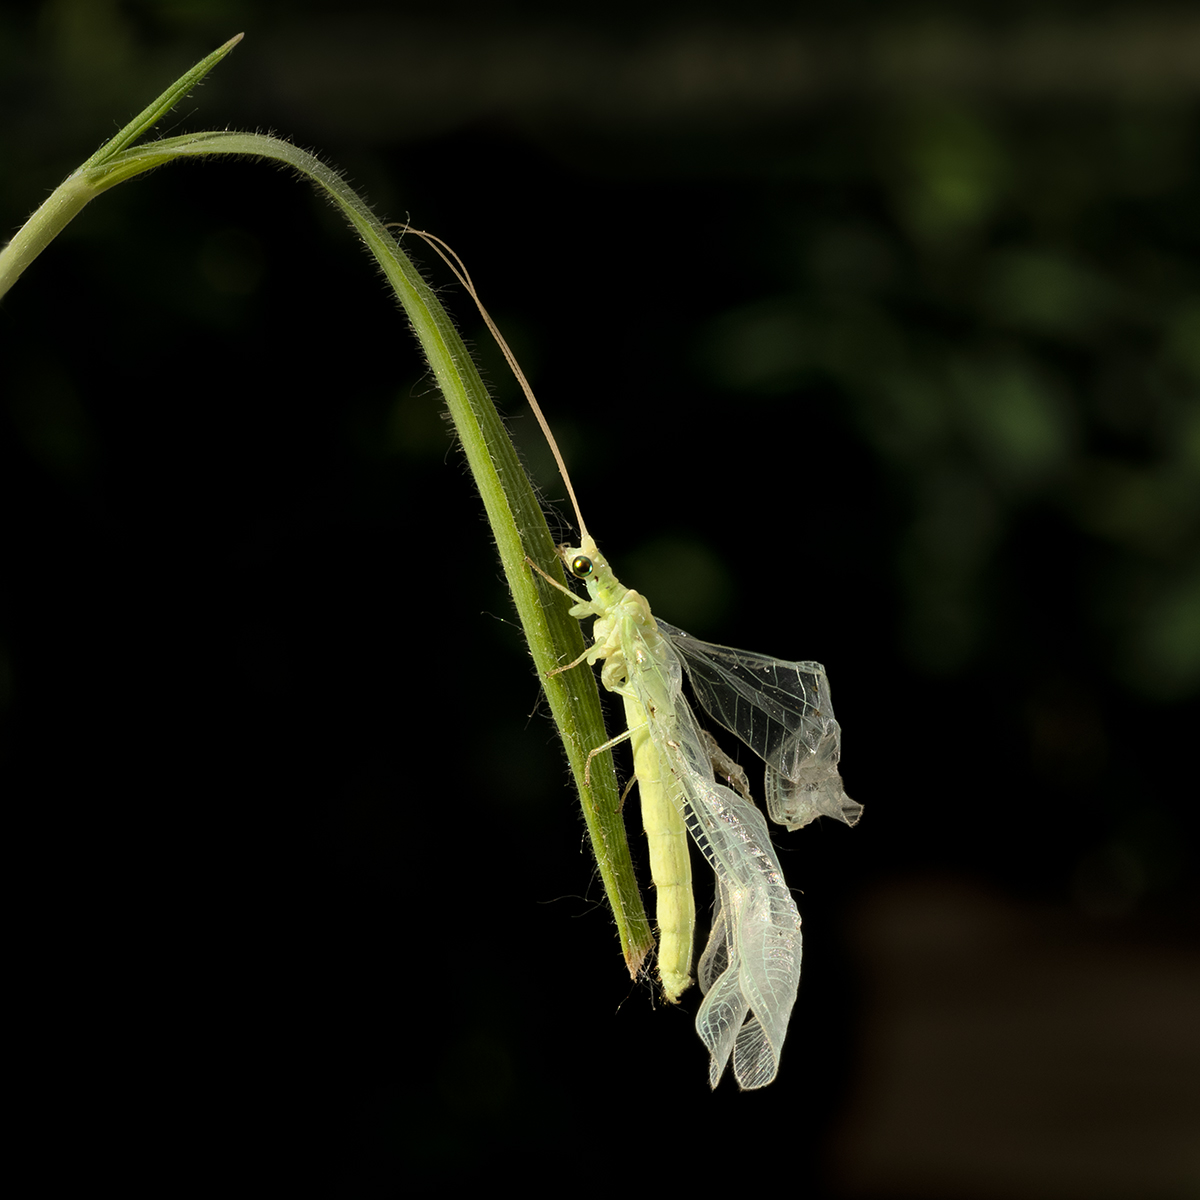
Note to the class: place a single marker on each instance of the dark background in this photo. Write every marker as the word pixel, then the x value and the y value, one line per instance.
pixel 871 339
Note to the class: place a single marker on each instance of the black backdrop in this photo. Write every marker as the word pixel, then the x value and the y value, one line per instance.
pixel 876 342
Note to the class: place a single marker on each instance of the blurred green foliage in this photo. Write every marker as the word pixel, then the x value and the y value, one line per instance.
pixel 1012 347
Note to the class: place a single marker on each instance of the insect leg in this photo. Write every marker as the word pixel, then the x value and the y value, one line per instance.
pixel 587 767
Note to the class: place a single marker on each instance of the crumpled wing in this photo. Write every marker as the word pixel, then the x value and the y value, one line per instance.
pixel 750 970
pixel 784 713
pixel 751 965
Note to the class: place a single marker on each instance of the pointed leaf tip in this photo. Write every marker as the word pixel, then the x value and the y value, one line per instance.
pixel 154 112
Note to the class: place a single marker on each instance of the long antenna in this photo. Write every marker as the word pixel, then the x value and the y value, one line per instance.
pixel 456 264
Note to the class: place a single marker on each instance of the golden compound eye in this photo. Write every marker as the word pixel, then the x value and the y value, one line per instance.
pixel 581 566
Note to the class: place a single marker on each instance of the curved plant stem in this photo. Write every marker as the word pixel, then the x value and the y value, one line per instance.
pixel 516 519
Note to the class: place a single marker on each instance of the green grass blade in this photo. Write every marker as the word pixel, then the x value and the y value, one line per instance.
pixel 516 519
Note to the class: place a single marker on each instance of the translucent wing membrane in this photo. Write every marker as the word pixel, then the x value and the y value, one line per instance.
pixel 750 970
pixel 783 712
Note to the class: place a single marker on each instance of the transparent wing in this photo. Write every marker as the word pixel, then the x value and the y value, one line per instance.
pixel 750 970
pixel 783 712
